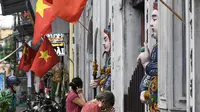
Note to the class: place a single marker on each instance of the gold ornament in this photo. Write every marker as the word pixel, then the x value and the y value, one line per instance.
pixel 95 67
pixel 153 87
pixel 102 71
pixel 108 71
pixel 102 81
pixel 147 95
pixel 154 84
pixel 57 77
pixel 66 75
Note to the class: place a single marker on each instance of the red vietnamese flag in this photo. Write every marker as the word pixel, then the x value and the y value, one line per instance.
pixel 69 10
pixel 44 18
pixel 27 58
pixel 45 58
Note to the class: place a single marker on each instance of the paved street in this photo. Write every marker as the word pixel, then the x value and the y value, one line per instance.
pixel 20 108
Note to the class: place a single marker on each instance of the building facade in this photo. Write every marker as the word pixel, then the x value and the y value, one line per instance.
pixel 127 27
pixel 130 27
pixel 178 43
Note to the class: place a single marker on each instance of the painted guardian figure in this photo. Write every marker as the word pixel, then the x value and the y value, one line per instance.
pixel 104 80
pixel 149 84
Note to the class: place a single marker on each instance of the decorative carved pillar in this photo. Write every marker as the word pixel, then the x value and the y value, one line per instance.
pixel 117 54
pixel 190 55
pixel 193 25
pixel 171 58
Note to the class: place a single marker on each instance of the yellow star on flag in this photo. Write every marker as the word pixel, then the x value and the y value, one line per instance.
pixel 44 55
pixel 25 51
pixel 41 7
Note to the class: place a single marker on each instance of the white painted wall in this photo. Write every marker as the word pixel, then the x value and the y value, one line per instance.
pixel 117 53
pixel 196 61
pixel 132 40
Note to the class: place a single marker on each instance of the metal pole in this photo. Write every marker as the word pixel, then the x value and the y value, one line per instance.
pixel 95 66
pixel 85 27
pixel 177 15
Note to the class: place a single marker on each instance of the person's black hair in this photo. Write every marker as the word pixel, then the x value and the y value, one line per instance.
pixel 76 83
pixel 108 98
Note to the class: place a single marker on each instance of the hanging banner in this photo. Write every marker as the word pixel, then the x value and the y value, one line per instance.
pixel 57 41
pixel 2 81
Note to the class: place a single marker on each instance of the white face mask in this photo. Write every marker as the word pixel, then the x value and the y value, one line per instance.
pixel 100 105
pixel 16 88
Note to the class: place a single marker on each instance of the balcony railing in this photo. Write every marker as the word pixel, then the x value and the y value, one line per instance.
pixel 132 101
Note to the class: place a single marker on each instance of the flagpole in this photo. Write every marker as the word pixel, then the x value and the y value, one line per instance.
pixel 85 27
pixel 12 52
pixel 177 15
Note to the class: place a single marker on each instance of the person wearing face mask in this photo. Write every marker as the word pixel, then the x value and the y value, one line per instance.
pixel 75 98
pixel 103 102
pixel 12 85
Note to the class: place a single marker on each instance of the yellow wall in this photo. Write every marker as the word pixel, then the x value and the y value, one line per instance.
pixel 5 33
pixel 71 52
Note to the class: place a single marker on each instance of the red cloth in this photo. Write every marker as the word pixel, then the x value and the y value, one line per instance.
pixel 91 107
pixel 27 58
pixel 41 85
pixel 45 58
pixel 70 106
pixel 43 18
pixel 69 10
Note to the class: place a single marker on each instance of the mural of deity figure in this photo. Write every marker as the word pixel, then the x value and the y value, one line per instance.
pixel 104 80
pixel 149 84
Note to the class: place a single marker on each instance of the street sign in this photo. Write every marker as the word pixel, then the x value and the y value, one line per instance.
pixel 57 41
pixel 59 48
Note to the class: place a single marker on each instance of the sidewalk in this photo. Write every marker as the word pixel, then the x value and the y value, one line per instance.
pixel 20 108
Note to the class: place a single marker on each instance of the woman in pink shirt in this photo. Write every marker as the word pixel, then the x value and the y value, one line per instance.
pixel 41 87
pixel 75 98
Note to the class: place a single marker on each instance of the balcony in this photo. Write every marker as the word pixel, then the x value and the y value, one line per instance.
pixel 23 12
pixel 10 7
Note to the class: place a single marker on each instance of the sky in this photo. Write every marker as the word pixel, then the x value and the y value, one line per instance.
pixel 6 21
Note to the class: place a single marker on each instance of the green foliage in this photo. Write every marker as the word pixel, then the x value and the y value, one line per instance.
pixel 5 100
pixel 7 49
